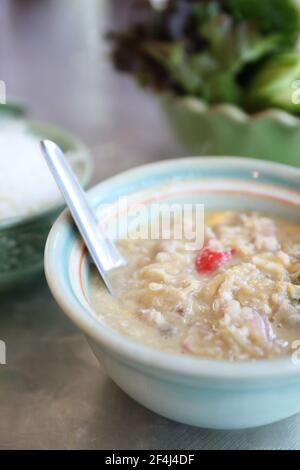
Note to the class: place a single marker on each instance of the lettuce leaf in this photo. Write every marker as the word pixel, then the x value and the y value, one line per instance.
pixel 270 16
pixel 275 83
pixel 218 50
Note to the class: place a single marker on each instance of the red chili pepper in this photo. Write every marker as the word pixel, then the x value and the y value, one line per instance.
pixel 209 260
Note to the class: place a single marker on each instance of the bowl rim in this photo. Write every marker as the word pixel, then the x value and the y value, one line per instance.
pixel 12 222
pixel 138 354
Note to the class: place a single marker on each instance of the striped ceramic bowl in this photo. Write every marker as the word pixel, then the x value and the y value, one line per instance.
pixel 202 392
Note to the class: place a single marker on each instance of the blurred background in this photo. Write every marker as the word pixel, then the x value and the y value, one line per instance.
pixel 54 58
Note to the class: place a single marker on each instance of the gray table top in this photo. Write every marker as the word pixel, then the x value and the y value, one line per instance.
pixel 53 393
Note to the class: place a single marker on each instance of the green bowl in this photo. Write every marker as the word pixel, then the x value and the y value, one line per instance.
pixel 22 239
pixel 227 130
pixel 12 110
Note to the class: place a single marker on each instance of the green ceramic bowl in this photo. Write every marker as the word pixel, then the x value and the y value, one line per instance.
pixel 22 239
pixel 225 129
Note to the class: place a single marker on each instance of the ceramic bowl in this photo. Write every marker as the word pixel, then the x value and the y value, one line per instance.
pixel 226 129
pixel 197 391
pixel 22 239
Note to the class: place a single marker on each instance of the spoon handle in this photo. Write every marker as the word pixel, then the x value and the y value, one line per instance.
pixel 103 251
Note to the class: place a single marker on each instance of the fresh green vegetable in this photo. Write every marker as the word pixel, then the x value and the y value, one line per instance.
pixel 273 84
pixel 237 51
pixel 270 16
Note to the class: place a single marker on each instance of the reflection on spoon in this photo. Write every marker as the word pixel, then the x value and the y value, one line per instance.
pixel 102 250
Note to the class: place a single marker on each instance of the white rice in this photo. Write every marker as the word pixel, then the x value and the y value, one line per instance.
pixel 26 184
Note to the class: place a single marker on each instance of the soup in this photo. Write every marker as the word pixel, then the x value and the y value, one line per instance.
pixel 236 298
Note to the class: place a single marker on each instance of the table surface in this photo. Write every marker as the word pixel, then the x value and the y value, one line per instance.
pixel 53 393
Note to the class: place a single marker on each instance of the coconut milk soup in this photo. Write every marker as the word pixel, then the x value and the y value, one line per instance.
pixel 236 298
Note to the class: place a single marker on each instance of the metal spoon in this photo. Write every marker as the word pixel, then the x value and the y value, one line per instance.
pixel 103 251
